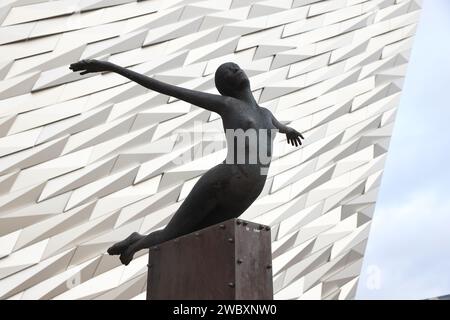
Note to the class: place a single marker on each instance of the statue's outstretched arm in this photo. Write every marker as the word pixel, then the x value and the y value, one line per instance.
pixel 212 102
pixel 293 136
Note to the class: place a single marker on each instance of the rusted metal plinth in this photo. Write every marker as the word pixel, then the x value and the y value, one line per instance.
pixel 231 261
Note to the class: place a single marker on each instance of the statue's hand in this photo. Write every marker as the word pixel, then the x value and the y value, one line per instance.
pixel 90 65
pixel 294 137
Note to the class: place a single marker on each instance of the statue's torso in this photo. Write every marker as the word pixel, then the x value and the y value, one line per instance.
pixel 249 133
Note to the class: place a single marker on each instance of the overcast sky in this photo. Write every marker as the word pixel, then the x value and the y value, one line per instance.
pixel 408 254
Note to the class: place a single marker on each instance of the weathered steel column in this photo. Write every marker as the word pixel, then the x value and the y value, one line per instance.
pixel 231 260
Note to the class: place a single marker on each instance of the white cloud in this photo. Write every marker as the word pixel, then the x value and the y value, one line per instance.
pixel 409 245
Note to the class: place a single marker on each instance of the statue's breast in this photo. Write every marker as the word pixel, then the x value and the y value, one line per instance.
pixel 250 123
pixel 246 118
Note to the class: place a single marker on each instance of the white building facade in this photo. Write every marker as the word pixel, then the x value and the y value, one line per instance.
pixel 86 160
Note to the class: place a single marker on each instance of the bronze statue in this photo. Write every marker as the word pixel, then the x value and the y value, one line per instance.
pixel 228 189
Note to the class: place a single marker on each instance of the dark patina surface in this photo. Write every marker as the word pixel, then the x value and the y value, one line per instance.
pixel 229 188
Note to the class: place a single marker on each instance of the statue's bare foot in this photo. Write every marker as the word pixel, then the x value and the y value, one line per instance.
pixel 121 246
pixel 127 255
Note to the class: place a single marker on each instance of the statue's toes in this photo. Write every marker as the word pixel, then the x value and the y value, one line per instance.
pixel 122 246
pixel 118 247
pixel 76 67
pixel 126 257
pixel 114 250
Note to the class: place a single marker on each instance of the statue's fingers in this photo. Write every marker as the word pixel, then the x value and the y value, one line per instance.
pixel 84 72
pixel 301 136
pixel 299 141
pixel 296 143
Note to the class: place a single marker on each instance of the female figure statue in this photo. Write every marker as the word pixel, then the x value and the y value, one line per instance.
pixel 228 189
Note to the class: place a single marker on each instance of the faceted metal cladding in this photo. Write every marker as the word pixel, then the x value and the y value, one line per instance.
pixel 86 161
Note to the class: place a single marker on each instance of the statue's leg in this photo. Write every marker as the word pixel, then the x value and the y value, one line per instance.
pixel 150 240
pixel 202 201
pixel 178 226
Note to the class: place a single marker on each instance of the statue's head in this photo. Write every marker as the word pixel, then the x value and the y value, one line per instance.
pixel 230 79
